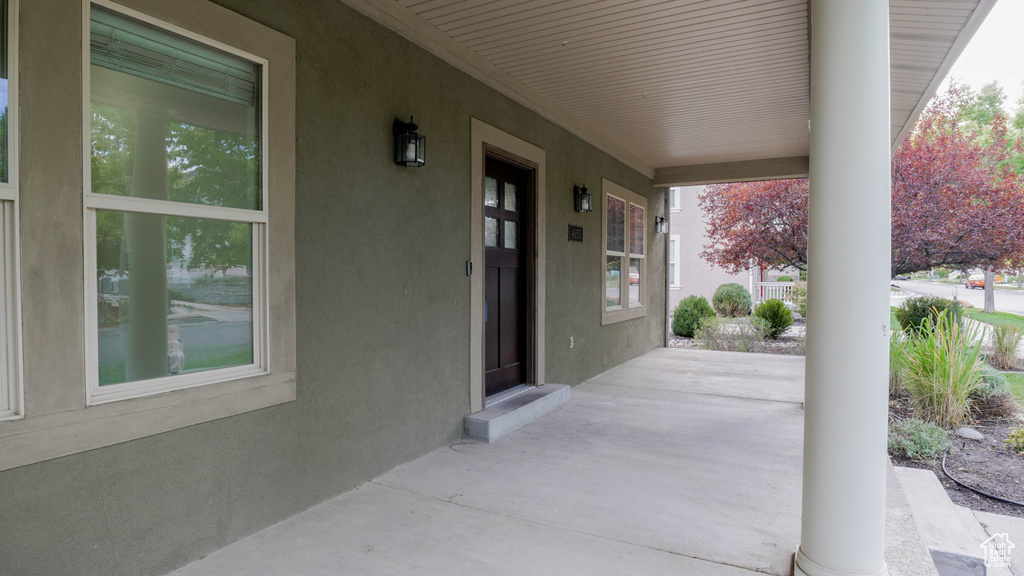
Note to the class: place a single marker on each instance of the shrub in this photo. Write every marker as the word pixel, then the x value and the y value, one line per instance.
pixel 943 368
pixel 1005 340
pixel 776 315
pixel 914 311
pixel 917 439
pixel 783 279
pixel 1016 439
pixel 731 300
pixel 688 314
pixel 993 397
pixel 799 295
pixel 743 335
pixel 899 346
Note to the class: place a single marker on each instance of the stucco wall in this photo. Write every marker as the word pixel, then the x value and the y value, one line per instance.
pixel 382 307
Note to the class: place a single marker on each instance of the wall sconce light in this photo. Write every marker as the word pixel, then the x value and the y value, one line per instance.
pixel 410 147
pixel 660 225
pixel 583 200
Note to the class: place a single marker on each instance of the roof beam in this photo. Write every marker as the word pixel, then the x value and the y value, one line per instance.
pixel 741 171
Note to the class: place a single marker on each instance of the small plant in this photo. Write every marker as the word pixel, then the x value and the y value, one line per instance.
pixel 914 311
pixel 1016 439
pixel 776 315
pixel 917 439
pixel 688 314
pixel 799 295
pixel 1005 340
pixel 731 300
pixel 993 398
pixel 899 345
pixel 743 335
pixel 943 369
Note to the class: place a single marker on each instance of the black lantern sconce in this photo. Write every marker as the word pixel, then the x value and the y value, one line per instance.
pixel 410 147
pixel 660 225
pixel 582 200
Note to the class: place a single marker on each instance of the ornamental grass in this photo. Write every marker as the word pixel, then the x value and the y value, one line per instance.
pixel 943 366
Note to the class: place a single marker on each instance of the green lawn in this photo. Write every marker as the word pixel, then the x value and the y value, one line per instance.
pixel 1016 380
pixel 996 318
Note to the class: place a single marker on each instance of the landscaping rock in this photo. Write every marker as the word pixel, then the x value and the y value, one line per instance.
pixel 970 434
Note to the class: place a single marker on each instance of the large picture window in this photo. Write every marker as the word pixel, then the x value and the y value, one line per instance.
pixel 625 284
pixel 175 210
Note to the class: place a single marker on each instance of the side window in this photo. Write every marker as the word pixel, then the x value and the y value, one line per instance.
pixel 673 198
pixel 673 260
pixel 11 404
pixel 175 210
pixel 625 268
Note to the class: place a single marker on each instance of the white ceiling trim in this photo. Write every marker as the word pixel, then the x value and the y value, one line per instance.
pixel 396 17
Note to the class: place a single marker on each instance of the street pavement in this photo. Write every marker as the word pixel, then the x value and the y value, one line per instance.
pixel 1007 300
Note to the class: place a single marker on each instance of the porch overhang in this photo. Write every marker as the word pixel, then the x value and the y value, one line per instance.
pixel 684 92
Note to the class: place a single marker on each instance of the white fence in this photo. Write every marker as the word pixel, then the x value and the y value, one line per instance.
pixel 768 290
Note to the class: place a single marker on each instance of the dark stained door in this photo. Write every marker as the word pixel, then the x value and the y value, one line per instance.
pixel 507 243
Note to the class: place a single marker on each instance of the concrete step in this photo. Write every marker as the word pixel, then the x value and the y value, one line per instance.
pixel 952 533
pixel 516 412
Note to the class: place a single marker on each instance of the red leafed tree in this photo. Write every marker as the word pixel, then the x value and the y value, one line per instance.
pixel 956 202
pixel 764 221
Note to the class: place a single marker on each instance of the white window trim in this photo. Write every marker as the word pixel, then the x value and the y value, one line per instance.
pixel 673 254
pixel 674 202
pixel 624 311
pixel 61 424
pixel 12 406
pixel 96 394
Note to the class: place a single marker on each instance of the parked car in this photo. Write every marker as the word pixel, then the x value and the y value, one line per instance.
pixel 902 277
pixel 634 278
pixel 975 281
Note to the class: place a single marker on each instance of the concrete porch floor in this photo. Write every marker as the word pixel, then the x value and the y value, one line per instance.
pixel 678 462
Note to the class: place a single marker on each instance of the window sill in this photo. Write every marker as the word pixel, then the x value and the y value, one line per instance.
pixel 38 438
pixel 621 315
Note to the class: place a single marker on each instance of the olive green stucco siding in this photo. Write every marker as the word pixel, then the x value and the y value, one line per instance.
pixel 382 307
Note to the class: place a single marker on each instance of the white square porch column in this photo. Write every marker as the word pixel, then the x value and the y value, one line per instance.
pixel 843 522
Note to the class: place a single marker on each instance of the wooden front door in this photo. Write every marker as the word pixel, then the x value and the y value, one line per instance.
pixel 508 244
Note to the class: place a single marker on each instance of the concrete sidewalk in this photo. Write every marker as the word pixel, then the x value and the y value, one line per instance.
pixel 678 462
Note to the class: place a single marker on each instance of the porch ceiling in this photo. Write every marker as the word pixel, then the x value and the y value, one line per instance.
pixel 668 84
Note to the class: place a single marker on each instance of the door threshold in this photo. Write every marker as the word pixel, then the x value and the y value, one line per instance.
pixel 510 393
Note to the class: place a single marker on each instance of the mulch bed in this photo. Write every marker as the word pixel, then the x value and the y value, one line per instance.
pixel 788 344
pixel 988 465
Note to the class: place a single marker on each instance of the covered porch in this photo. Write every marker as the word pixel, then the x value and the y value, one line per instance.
pixel 677 462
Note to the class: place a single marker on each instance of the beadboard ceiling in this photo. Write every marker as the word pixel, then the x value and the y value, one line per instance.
pixel 663 84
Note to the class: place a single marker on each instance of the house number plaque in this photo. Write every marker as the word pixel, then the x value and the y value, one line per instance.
pixel 575 233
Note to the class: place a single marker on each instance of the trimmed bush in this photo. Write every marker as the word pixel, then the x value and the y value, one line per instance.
pixel 1005 340
pixel 776 315
pixel 743 335
pixel 731 300
pixel 914 311
pixel 688 314
pixel 783 279
pixel 917 439
pixel 943 369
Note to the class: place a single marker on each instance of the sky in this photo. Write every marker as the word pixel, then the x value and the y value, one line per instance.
pixel 994 53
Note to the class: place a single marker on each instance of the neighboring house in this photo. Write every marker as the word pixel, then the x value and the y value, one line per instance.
pixel 382 303
pixel 688 273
